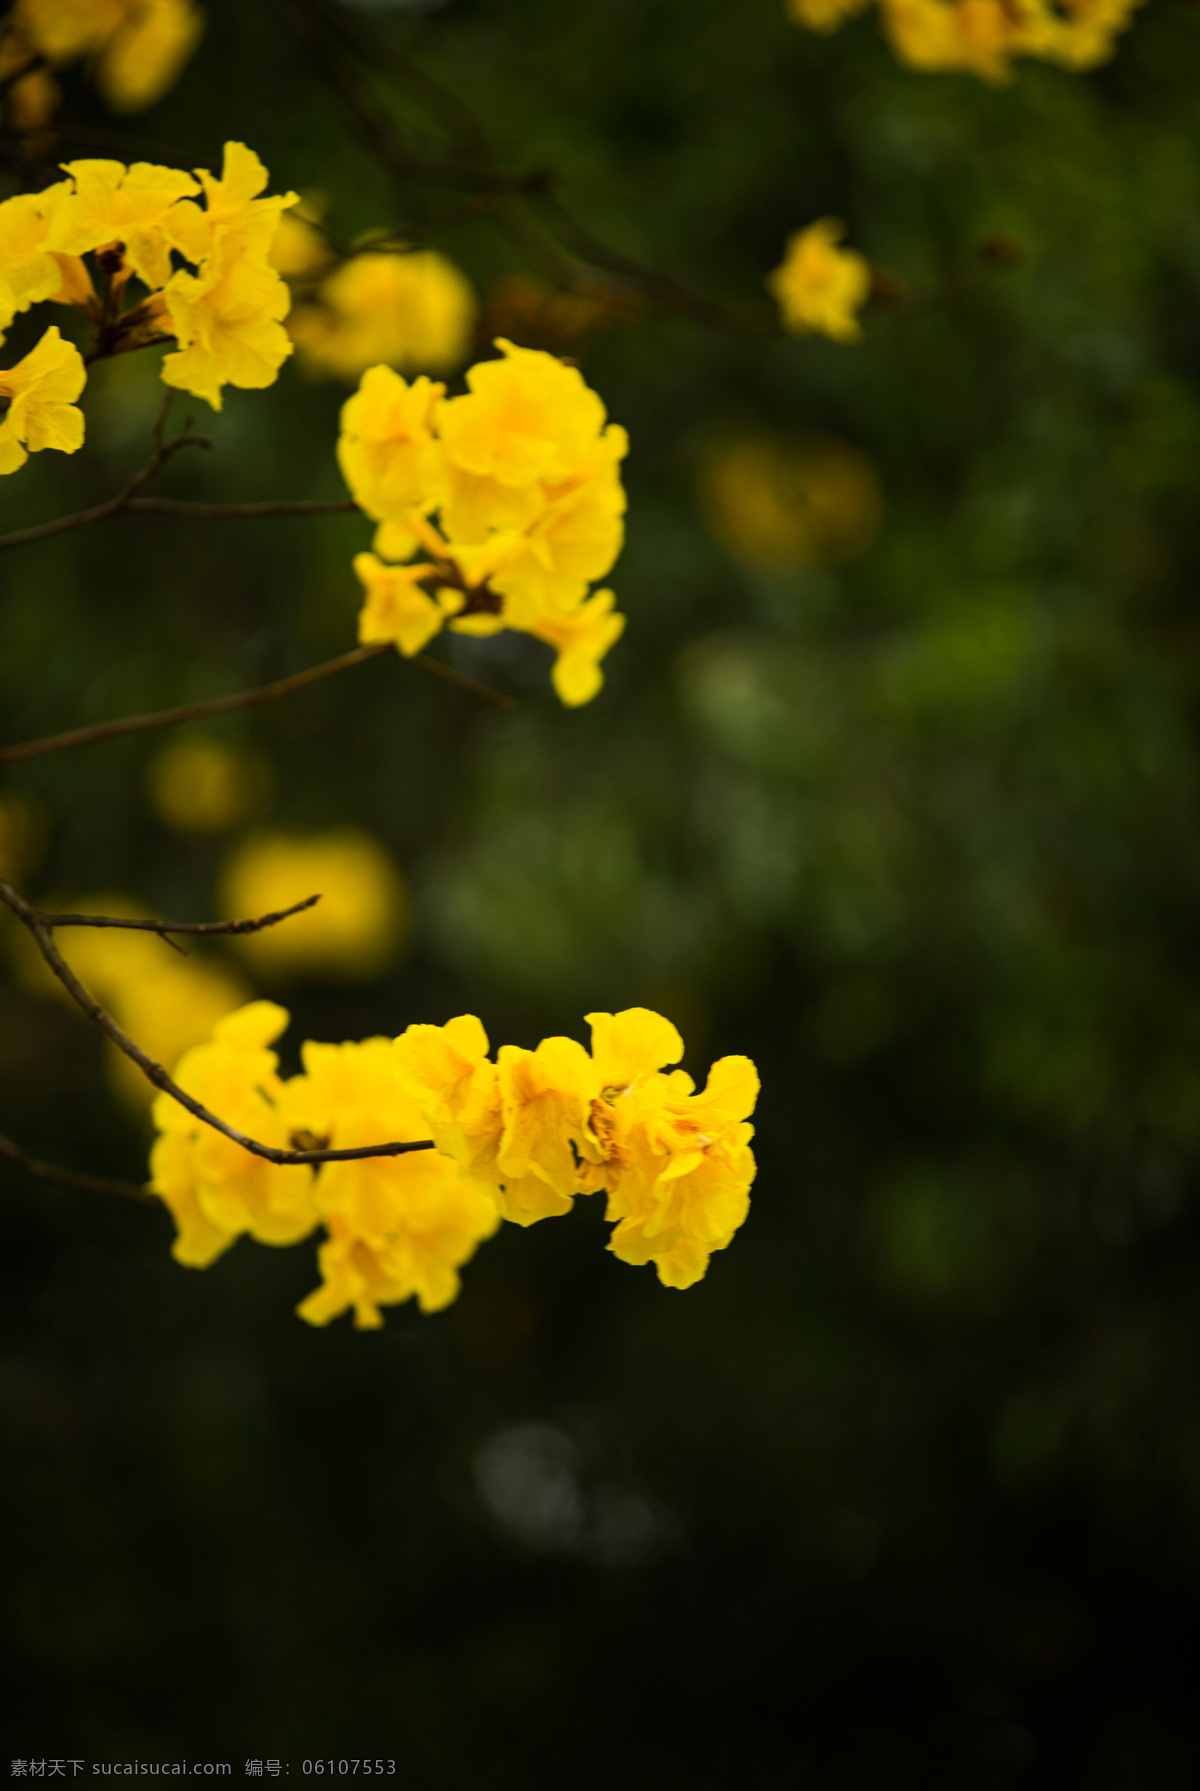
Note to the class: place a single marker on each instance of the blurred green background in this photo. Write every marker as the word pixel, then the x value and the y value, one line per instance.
pixel 905 1494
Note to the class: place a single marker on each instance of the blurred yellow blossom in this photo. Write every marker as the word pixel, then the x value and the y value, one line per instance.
pixel 215 1190
pixel 136 47
pixel 299 250
pixel 41 392
pixel 776 503
pixel 413 310
pixel 824 15
pixel 24 830
pixel 204 785
pixel 353 932
pixel 398 1227
pixel 820 287
pixel 981 37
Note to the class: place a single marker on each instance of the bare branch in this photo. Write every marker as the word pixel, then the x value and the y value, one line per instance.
pixel 156 1072
pixel 168 718
pixel 242 699
pixel 203 928
pixel 450 674
pixel 72 1178
pixel 113 506
pixel 241 512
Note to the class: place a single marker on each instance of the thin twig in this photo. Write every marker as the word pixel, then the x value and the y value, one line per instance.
pixel 203 928
pixel 240 512
pixel 157 1073
pixel 451 675
pixel 242 699
pixel 73 1178
pixel 169 718
pixel 112 506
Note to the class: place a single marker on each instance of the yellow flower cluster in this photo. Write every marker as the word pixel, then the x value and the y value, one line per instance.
pixel 535 1128
pixel 522 475
pixel 135 48
pixel 515 1139
pixel 982 37
pixel 224 309
pixel 819 287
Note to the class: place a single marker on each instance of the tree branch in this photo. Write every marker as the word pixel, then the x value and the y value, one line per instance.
pixel 124 499
pixel 238 512
pixel 169 718
pixel 242 699
pixel 38 925
pixel 204 928
pixel 72 1178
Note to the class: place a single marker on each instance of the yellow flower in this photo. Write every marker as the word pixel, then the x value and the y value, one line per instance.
pixel 134 206
pixel 409 310
pixel 139 45
pixel 236 221
pixel 387 429
pixel 777 504
pixel 509 1126
pixel 399 1226
pixel 353 932
pixel 397 609
pixel 546 1098
pixel 447 1072
pixel 581 640
pixel 41 391
pixel 818 286
pixel 575 539
pixel 205 786
pixel 526 417
pixel 214 1188
pixel 227 320
pixel 30 268
pixel 629 1046
pixel 680 1168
